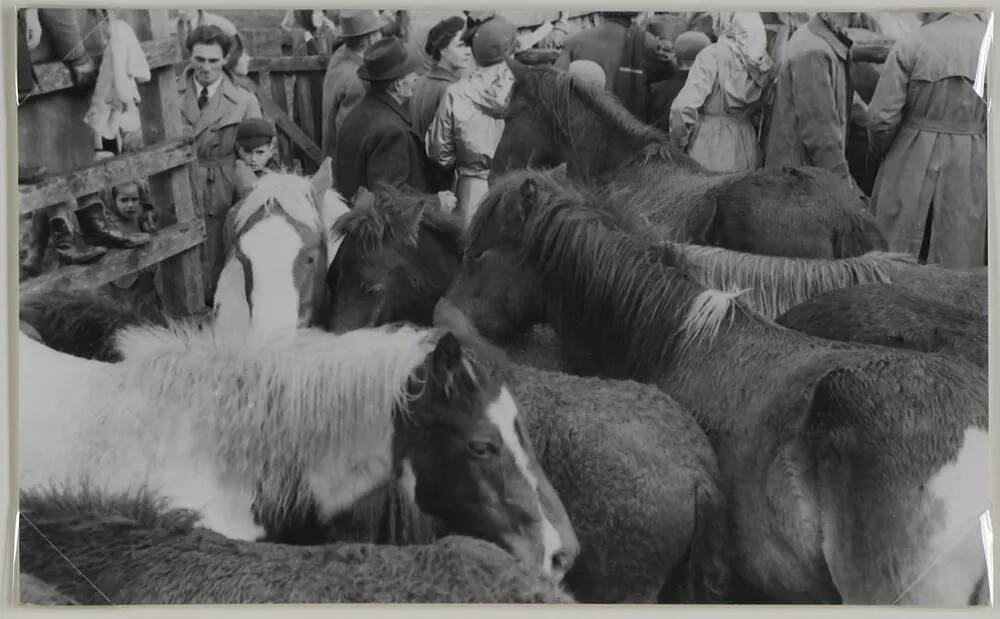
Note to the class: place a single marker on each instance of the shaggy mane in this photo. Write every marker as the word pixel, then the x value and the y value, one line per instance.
pixel 640 310
pixel 139 508
pixel 267 413
pixel 293 193
pixel 396 218
pixel 775 284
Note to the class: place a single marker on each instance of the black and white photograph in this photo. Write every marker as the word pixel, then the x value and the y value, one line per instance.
pixel 410 306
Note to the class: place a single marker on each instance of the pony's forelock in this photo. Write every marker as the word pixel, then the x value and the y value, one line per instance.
pixel 390 219
pixel 293 193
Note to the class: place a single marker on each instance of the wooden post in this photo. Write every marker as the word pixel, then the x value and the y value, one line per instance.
pixel 182 275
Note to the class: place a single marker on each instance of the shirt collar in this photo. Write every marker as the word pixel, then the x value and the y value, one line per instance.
pixel 212 88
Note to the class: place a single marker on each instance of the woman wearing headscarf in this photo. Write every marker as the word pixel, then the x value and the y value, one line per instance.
pixel 712 117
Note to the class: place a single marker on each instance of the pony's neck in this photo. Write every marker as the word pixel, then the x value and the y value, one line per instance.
pixel 608 145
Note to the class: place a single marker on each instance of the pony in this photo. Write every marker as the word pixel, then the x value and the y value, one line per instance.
pixel 892 316
pixel 265 434
pixel 853 474
pixel 801 212
pixel 634 471
pixel 133 549
pixel 775 284
pixel 283 226
pixel 396 260
pixel 82 323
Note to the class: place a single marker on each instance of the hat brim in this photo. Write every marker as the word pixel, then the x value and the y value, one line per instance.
pixel 340 33
pixel 412 64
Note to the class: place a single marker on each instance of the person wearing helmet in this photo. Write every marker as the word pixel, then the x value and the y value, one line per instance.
pixel 713 116
pixel 662 94
pixel 470 120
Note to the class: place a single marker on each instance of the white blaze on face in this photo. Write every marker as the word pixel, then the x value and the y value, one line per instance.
pixel 503 412
pixel 272 246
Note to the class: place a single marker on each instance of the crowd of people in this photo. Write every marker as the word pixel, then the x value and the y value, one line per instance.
pixel 429 123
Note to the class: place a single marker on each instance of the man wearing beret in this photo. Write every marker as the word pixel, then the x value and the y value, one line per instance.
pixel 256 142
pixel 377 144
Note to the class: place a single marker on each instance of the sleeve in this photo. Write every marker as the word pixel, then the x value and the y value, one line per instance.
pixel 885 112
pixel 692 97
pixel 815 104
pixel 659 64
pixel 440 138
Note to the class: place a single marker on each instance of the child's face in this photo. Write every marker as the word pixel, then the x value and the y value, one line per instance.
pixel 127 200
pixel 258 156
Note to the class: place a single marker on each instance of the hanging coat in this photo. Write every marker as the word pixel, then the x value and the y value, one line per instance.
pixel 931 125
pixel 214 131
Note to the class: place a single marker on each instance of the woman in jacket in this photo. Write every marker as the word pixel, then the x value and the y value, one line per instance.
pixel 470 120
pixel 712 117
pixel 452 61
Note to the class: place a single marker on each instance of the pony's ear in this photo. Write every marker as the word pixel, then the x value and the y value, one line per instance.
pixel 322 180
pixel 447 357
pixel 363 199
pixel 410 217
pixel 448 316
pixel 560 172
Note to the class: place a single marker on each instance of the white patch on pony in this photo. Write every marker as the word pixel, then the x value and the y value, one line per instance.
pixel 332 208
pixel 502 412
pixel 705 316
pixel 345 476
pixel 232 311
pixel 294 193
pixel 271 246
pixel 408 481
pixel 960 491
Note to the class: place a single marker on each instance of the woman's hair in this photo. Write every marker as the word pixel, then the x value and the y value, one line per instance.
pixel 441 35
pixel 210 35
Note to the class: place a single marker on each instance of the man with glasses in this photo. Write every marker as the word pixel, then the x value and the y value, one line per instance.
pixel 212 107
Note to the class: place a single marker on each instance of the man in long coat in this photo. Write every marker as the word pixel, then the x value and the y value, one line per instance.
pixel 930 193
pixel 631 58
pixel 212 107
pixel 378 144
pixel 813 98
pixel 342 88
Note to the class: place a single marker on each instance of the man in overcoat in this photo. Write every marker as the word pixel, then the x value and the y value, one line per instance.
pixel 212 107
pixel 813 98
pixel 342 88
pixel 930 124
pixel 631 58
pixel 377 144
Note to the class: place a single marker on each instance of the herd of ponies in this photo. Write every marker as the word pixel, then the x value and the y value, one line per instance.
pixel 569 401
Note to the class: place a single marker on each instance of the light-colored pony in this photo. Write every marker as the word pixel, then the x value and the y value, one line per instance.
pixel 305 420
pixel 774 284
pixel 282 244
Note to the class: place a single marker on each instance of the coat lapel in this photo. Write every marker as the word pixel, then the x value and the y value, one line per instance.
pixel 219 105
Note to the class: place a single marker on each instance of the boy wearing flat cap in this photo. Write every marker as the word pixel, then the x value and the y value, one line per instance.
pixel 256 145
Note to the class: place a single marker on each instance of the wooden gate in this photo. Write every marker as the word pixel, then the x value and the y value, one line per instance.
pixel 164 161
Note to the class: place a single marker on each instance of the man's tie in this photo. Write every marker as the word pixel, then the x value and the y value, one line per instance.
pixel 203 98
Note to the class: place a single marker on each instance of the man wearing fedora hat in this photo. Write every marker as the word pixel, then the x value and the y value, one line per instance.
pixel 377 144
pixel 342 89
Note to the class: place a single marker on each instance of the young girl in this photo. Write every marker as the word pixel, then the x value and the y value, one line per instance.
pixel 128 208
pixel 256 148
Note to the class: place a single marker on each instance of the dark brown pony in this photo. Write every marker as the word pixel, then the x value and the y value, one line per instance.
pixel 805 212
pixel 854 474
pixel 889 315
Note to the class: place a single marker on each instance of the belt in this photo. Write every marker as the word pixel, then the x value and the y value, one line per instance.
pixel 946 126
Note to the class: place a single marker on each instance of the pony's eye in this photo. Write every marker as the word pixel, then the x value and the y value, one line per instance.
pixel 476 257
pixel 482 449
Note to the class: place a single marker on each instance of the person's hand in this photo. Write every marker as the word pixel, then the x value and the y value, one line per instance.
pixel 447 200
pixel 32 28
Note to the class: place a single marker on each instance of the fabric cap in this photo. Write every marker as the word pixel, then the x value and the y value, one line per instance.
pixel 255 132
pixel 588 71
pixel 493 40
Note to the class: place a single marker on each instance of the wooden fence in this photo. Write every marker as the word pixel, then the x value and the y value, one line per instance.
pixel 165 162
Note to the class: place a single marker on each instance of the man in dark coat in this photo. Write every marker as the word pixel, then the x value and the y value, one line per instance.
pixel 377 144
pixel 631 57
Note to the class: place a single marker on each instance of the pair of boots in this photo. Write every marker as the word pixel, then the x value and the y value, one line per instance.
pixel 75 245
